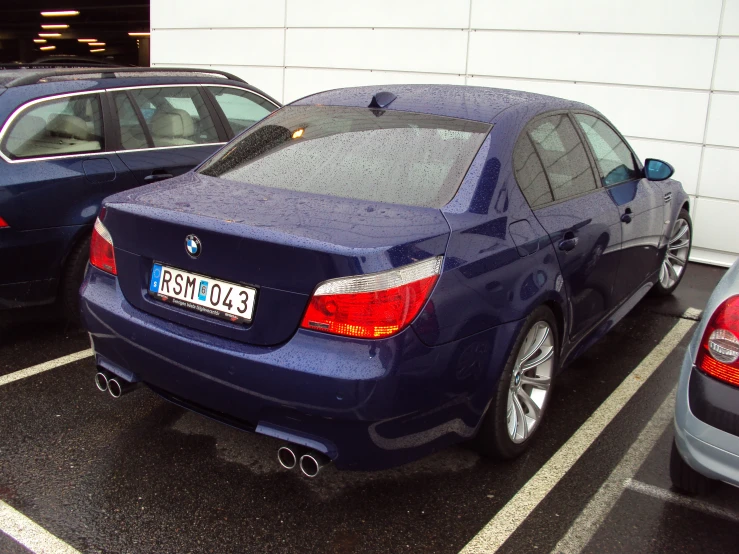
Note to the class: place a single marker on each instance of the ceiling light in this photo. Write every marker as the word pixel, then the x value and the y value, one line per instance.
pixel 139 34
pixel 96 43
pixel 61 26
pixel 39 40
pixel 48 47
pixel 87 40
pixel 98 50
pixel 50 35
pixel 60 13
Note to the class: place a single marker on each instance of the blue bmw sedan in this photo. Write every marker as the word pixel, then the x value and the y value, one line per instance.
pixel 370 275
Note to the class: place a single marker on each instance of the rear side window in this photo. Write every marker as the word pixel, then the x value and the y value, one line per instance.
pixel 551 145
pixel 241 108
pixel 131 132
pixel 175 116
pixel 614 158
pixel 63 126
pixel 375 155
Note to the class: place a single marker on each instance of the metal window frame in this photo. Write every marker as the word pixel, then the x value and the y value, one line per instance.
pixel 108 108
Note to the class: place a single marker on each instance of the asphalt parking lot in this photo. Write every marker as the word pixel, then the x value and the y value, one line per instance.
pixel 141 475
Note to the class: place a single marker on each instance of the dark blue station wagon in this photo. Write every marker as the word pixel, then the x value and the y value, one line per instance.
pixel 71 137
pixel 372 276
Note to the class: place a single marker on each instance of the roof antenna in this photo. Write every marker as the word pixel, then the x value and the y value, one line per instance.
pixel 382 100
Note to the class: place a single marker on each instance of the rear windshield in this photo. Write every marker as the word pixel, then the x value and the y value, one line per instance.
pixel 360 153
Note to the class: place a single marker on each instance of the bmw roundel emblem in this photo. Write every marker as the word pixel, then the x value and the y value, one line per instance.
pixel 193 246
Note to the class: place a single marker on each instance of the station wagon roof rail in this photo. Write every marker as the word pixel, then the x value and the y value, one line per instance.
pixel 112 73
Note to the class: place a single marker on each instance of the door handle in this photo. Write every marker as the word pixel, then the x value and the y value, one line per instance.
pixel 626 217
pixel 568 242
pixel 157 177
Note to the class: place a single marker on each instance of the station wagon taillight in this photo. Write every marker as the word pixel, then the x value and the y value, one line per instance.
pixel 372 306
pixel 3 223
pixel 101 248
pixel 718 355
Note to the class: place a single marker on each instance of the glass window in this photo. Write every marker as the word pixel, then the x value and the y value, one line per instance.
pixel 375 155
pixel 176 116
pixel 132 133
pixel 530 174
pixel 72 125
pixel 242 108
pixel 613 156
pixel 563 156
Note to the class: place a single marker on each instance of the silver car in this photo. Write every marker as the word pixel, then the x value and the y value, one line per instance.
pixel 706 447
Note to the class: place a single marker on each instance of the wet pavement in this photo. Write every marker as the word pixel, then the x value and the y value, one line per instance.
pixel 141 475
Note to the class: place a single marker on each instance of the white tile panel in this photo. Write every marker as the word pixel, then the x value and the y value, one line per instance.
pixel 641 60
pixel 712 257
pixel 714 225
pixel 720 174
pixel 174 14
pixel 636 111
pixel 689 17
pixel 727 65
pixel 685 158
pixel 435 51
pixel 401 13
pixel 226 46
pixel 731 18
pixel 267 79
pixel 723 121
pixel 302 82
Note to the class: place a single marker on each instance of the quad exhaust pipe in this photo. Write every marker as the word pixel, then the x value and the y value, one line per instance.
pixel 310 462
pixel 116 386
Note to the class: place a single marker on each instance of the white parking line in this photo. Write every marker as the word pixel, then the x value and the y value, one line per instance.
pixel 46 366
pixel 34 537
pixel 518 508
pixel 596 511
pixel 686 501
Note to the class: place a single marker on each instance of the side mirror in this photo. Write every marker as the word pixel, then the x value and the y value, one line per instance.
pixel 657 170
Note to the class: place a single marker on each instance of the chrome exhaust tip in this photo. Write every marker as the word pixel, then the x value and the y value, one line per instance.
pixel 101 381
pixel 117 387
pixel 311 463
pixel 287 457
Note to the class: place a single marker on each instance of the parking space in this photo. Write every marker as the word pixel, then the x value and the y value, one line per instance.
pixel 138 474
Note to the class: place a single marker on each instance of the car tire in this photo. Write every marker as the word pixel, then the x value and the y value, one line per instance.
pixel 74 273
pixel 504 434
pixel 668 279
pixel 685 477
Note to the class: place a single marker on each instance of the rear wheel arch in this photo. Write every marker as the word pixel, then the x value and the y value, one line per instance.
pixel 556 309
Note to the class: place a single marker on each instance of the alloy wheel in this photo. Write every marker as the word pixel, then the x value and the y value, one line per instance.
pixel 530 382
pixel 677 255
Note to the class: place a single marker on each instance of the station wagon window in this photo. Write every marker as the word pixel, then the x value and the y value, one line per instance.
pixel 132 134
pixel 360 153
pixel 614 158
pixel 553 146
pixel 63 126
pixel 175 116
pixel 241 108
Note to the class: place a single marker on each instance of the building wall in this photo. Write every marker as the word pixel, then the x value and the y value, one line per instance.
pixel 666 72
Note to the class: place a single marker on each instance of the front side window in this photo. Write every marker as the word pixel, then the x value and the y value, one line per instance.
pixel 175 116
pixel 614 158
pixel 554 147
pixel 376 155
pixel 241 108
pixel 63 126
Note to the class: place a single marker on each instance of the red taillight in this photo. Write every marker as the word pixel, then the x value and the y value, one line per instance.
pixel 372 306
pixel 719 350
pixel 3 223
pixel 101 248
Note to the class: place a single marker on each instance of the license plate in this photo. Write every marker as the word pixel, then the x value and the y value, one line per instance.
pixel 202 294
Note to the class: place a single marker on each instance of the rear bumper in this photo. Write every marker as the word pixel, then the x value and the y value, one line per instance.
pixel 710 451
pixel 366 404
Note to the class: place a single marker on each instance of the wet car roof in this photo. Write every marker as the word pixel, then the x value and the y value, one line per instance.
pixel 461 101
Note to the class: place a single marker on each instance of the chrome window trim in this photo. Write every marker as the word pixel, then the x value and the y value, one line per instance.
pixel 23 107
